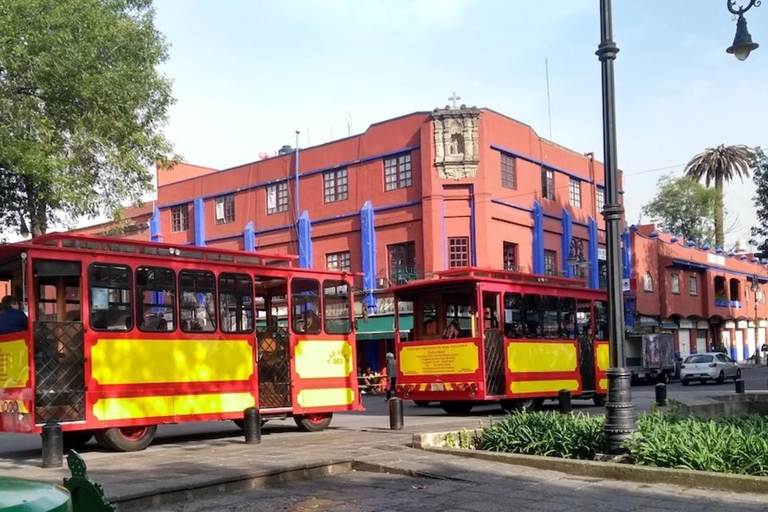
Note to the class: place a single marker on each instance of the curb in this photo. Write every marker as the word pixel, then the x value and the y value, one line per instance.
pixel 151 500
pixel 642 474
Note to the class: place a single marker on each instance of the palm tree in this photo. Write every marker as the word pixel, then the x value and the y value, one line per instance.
pixel 721 164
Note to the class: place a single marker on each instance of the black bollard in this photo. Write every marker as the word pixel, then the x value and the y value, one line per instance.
pixel 564 401
pixel 53 446
pixel 252 424
pixel 661 395
pixel 740 386
pixel 396 414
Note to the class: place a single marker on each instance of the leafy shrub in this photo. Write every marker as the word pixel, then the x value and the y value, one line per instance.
pixel 546 433
pixel 724 445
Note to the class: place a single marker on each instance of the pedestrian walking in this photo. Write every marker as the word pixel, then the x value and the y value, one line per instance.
pixel 391 374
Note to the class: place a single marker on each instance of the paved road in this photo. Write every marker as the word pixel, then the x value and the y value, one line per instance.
pixel 472 485
pixel 20 447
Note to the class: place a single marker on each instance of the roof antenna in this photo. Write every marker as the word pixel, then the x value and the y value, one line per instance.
pixel 549 106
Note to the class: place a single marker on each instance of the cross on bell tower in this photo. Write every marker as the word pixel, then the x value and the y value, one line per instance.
pixel 454 98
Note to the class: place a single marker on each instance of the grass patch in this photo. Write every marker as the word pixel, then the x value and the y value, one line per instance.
pixel 726 445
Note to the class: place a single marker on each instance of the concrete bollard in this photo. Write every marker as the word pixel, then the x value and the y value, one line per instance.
pixel 53 446
pixel 661 395
pixel 564 401
pixel 740 386
pixel 395 414
pixel 252 424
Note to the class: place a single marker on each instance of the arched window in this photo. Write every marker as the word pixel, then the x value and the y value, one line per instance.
pixel 735 289
pixel 648 282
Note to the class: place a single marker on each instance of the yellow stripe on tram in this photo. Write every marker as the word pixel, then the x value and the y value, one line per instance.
pixel 166 361
pixel 603 357
pixel 318 359
pixel 535 357
pixel 325 397
pixel 542 386
pixel 14 364
pixel 124 408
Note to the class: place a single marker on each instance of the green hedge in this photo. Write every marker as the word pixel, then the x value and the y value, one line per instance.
pixel 725 445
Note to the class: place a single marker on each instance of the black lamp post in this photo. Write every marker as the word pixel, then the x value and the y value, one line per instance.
pixel 620 421
pixel 755 296
pixel 742 44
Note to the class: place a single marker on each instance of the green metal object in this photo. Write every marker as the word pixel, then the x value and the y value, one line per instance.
pixel 87 495
pixel 30 496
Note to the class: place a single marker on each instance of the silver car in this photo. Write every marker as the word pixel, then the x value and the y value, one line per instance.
pixel 710 366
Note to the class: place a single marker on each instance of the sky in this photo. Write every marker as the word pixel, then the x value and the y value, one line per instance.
pixel 248 73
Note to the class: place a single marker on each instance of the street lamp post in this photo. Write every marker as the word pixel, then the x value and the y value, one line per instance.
pixel 755 292
pixel 620 421
pixel 742 44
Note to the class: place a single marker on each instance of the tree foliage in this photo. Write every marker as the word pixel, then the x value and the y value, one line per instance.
pixel 82 107
pixel 760 177
pixel 684 207
pixel 720 165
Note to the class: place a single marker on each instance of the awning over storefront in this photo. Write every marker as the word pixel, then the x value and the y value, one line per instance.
pixel 382 327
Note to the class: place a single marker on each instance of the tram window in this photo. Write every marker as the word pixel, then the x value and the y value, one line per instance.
pixel 567 327
pixel 405 320
pixel 235 302
pixel 533 325
pixel 337 310
pixel 584 317
pixel 110 297
pixel 551 324
pixel 197 310
pixel 156 294
pixel 601 320
pixel 429 318
pixel 305 306
pixel 459 311
pixel 513 315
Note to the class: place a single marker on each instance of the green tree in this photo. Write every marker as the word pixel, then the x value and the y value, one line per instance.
pixel 82 107
pixel 684 207
pixel 720 165
pixel 760 177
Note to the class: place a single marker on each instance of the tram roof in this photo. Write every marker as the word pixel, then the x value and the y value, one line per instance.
pixel 446 279
pixel 139 248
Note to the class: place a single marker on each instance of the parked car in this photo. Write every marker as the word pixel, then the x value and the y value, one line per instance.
pixel 710 366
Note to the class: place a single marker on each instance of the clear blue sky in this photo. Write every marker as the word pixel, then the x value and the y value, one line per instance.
pixel 248 73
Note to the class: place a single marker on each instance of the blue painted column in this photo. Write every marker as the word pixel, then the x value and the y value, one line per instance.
pixel 626 270
pixel 199 207
pixel 305 241
pixel 594 264
pixel 155 233
pixel 249 237
pixel 538 238
pixel 368 250
pixel 566 242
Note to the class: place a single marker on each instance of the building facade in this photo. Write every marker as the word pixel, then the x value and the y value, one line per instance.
pixel 410 196
pixel 707 297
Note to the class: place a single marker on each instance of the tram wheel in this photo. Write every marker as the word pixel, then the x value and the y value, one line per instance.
pixel 457 407
pixel 76 440
pixel 421 403
pixel 600 400
pixel 126 439
pixel 313 422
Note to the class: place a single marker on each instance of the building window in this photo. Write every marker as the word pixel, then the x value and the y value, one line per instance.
pixel 277 198
pixel 693 285
pixel 675 284
pixel 335 185
pixel 648 282
pixel 547 183
pixel 508 171
pixel 180 218
pixel 735 292
pixel 338 261
pixel 510 256
pixel 402 262
pixel 574 193
pixel 225 209
pixel 600 198
pixel 197 308
pixel 458 251
pixel 397 172
pixel 550 263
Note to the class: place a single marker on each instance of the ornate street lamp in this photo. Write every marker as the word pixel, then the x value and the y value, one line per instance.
pixel 756 296
pixel 742 44
pixel 620 421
